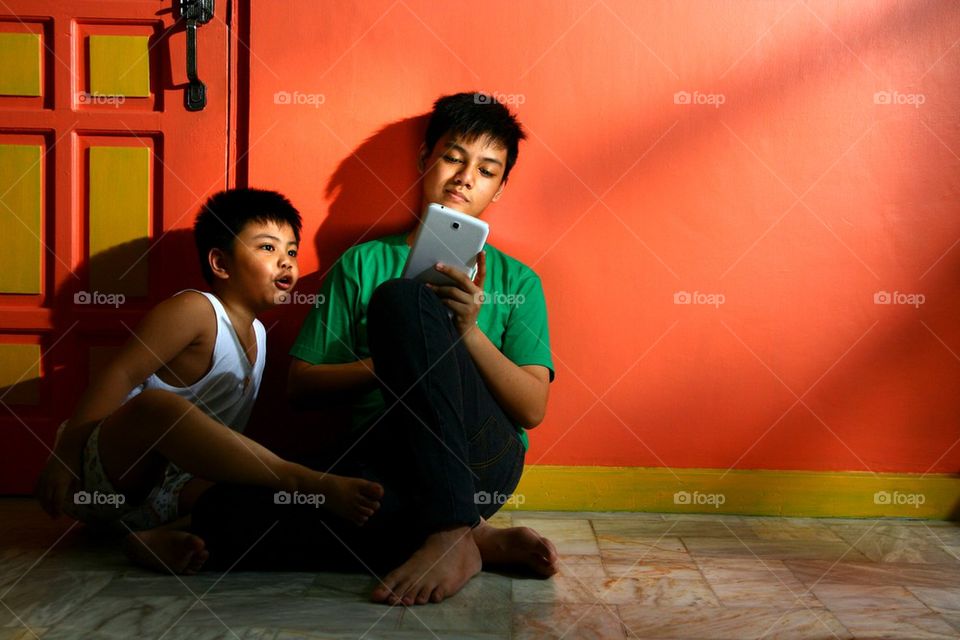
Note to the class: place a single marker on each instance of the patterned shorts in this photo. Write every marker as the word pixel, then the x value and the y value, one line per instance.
pixel 99 503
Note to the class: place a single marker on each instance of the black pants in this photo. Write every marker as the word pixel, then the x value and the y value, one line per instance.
pixel 445 452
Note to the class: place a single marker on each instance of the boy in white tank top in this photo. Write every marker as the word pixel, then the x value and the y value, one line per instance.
pixel 163 422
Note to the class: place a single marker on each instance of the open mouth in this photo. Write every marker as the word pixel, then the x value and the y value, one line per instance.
pixel 283 283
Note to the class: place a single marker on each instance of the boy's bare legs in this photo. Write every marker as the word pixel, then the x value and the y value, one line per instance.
pixel 155 427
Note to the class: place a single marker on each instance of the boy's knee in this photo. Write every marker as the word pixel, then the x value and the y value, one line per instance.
pixel 391 300
pixel 388 295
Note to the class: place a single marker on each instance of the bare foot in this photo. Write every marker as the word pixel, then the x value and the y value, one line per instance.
pixel 166 550
pixel 437 570
pixel 516 546
pixel 353 499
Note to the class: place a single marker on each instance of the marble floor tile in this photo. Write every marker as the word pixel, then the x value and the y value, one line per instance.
pixel 44 599
pixel 842 597
pixel 779 549
pixel 590 515
pixel 756 583
pixel 791 529
pixel 812 572
pixel 675 527
pixel 556 621
pixel 206 585
pixel 354 586
pixel 649 591
pixel 730 623
pixel 642 550
pixel 619 566
pixel 570 536
pixel 897 543
pixel 31 633
pixel 896 624
pixel 580 566
pixel 177 632
pixel 304 613
pixel 621 575
pixel 135 617
pixel 483 606
pixel 944 600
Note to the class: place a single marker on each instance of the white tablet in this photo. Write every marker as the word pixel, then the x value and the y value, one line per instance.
pixel 448 236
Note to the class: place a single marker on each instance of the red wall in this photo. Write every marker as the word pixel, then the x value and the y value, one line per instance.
pixel 797 199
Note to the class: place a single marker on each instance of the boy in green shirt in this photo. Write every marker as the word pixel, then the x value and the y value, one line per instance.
pixel 444 380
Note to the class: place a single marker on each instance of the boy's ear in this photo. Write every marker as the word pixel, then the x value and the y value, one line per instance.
pixel 496 196
pixel 218 263
pixel 422 156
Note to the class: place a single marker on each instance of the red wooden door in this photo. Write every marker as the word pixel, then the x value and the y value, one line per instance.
pixel 102 169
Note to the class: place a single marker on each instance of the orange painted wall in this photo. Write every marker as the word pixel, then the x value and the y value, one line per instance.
pixel 798 198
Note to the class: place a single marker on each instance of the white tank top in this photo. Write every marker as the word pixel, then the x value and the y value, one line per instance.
pixel 228 390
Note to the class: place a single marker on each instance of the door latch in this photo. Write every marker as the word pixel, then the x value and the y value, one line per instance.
pixel 195 12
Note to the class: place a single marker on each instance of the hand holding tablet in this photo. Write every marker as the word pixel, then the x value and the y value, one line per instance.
pixel 446 236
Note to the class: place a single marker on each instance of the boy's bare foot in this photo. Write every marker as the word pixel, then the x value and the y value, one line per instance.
pixel 437 570
pixel 166 550
pixel 516 546
pixel 353 499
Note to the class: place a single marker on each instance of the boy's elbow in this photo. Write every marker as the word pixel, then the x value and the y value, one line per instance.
pixel 533 418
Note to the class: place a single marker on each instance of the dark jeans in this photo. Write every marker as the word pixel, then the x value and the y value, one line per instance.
pixel 445 452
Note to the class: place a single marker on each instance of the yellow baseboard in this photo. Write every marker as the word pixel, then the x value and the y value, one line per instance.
pixel 745 492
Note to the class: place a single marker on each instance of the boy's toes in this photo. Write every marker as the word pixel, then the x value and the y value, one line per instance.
pixel 381 594
pixel 372 490
pixel 424 596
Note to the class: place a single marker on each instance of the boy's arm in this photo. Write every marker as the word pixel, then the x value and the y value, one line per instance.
pixel 167 330
pixel 310 385
pixel 521 391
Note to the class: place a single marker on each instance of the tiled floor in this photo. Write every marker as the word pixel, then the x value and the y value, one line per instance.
pixel 622 576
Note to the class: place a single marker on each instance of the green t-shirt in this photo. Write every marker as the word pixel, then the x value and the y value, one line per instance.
pixel 514 317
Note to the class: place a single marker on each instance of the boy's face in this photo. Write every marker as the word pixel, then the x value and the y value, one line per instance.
pixel 263 264
pixel 464 175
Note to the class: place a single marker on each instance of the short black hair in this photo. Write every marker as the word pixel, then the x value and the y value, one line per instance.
pixel 225 214
pixel 475 114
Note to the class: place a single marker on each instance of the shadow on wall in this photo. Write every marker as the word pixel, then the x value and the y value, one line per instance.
pixel 375 191
pixel 90 321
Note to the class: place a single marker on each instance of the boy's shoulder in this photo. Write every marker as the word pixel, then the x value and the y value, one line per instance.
pixel 190 308
pixel 510 266
pixel 376 247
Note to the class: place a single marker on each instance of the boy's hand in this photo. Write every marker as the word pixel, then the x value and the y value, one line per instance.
pixel 59 476
pixel 465 298
pixel 57 481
